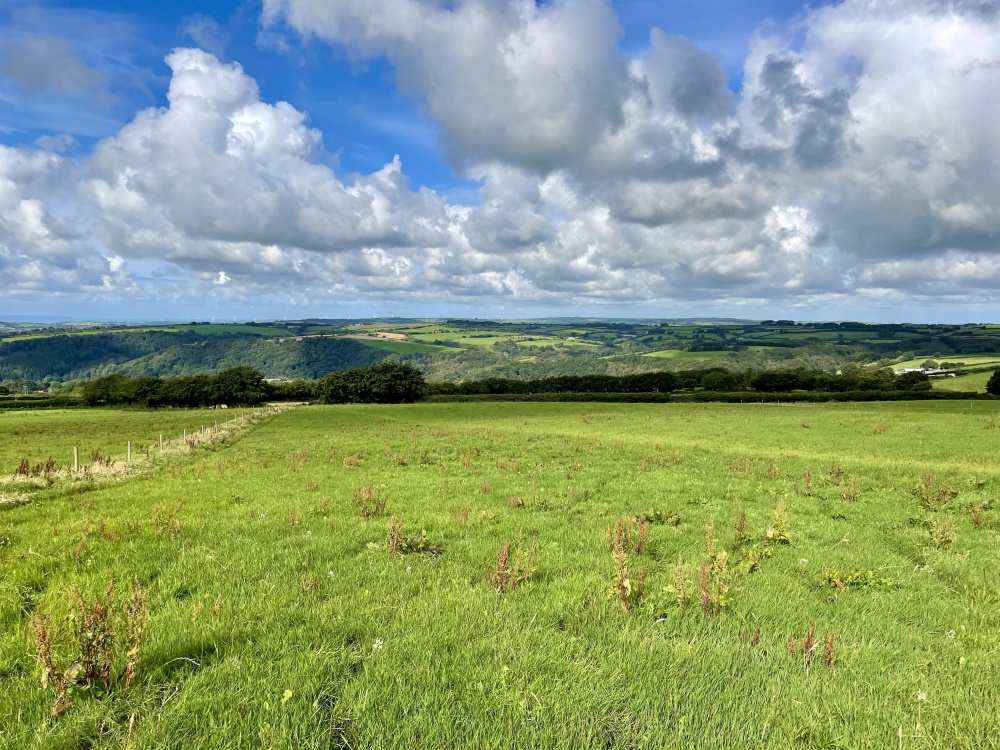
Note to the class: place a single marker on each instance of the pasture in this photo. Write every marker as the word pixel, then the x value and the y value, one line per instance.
pixel 962 360
pixel 974 381
pixel 205 328
pixel 403 347
pixel 50 435
pixel 522 575
pixel 683 354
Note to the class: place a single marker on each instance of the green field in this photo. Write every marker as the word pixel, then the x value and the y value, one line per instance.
pixel 208 328
pixel 967 360
pixel 819 334
pixel 404 347
pixel 975 381
pixel 682 354
pixel 470 338
pixel 52 434
pixel 229 328
pixel 278 618
pixel 81 332
pixel 560 343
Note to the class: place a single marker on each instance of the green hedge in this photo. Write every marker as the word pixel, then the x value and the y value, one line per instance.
pixel 387 383
pixel 37 402
pixel 821 397
pixel 624 398
pixel 741 397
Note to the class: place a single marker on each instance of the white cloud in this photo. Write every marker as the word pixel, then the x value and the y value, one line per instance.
pixel 534 85
pixel 861 162
pixel 221 174
pixel 39 252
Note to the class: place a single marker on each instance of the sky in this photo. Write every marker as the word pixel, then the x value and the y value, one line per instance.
pixel 500 158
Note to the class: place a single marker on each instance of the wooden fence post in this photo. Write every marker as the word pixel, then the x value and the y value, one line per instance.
pixel 76 459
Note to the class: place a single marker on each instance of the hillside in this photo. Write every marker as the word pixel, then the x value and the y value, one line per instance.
pixel 70 356
pixel 274 358
pixel 455 349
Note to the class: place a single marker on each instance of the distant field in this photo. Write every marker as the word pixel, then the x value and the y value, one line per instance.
pixel 552 341
pixel 82 332
pixel 397 328
pixel 51 434
pixel 681 354
pixel 404 347
pixel 813 577
pixel 231 328
pixel 211 328
pixel 821 334
pixel 480 338
pixel 969 360
pixel 488 338
pixel 975 381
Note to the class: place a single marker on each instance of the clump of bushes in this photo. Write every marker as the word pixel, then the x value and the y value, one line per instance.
pixel 98 649
pixel 507 573
pixel 387 383
pixel 398 543
pixel 237 386
pixel 867 579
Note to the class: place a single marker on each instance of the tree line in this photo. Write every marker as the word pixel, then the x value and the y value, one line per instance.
pixel 391 383
pixel 386 383
pixel 710 379
pixel 237 386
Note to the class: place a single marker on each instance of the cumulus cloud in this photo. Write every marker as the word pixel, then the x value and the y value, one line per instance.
pixel 39 252
pixel 684 78
pixel 860 162
pixel 220 177
pixel 513 81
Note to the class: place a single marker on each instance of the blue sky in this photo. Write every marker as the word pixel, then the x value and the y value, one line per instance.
pixel 365 121
pixel 757 158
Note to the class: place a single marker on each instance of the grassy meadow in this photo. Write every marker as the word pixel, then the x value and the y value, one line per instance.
pixel 402 347
pixel 974 381
pixel 682 354
pixel 211 328
pixel 837 588
pixel 966 360
pixel 51 434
